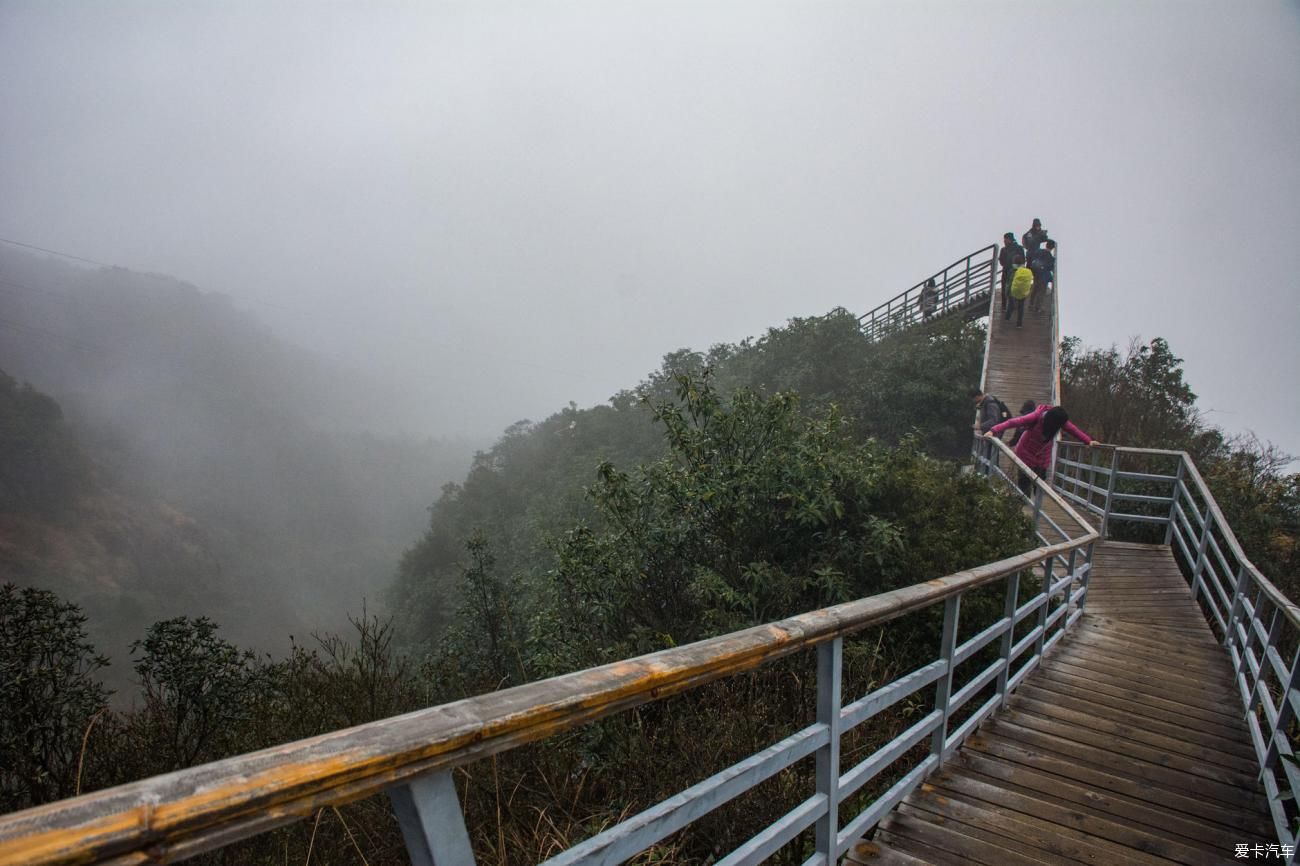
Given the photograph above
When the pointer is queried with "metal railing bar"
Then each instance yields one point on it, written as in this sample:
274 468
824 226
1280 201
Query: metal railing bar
868 768
1076 464
1211 577
779 834
1043 515
1256 736
1052 641
1025 642
1124 475
1186 525
1095 509
1140 497
1138 518
1126 449
1276 662
959 736
1250 673
1255 624
1025 670
985 677
633 835
1030 607
1062 582
1213 547
882 698
1191 557
979 641
1260 693
1194 513
855 829
1055 615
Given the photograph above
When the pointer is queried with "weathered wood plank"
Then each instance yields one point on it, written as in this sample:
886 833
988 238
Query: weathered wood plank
1134 814
1099 756
1213 818
1226 741
1025 837
1130 735
1113 842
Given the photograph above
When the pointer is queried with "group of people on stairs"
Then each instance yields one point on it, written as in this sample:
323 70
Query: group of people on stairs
1028 268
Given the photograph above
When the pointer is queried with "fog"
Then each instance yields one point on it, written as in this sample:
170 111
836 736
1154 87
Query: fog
499 208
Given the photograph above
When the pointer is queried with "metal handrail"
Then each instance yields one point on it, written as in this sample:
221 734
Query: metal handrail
180 814
1255 621
961 286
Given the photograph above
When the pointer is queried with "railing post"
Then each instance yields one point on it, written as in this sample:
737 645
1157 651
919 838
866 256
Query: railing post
1092 478
1110 492
1045 609
830 669
1173 506
1235 611
1198 567
943 689
1038 507
433 826
1069 590
1008 639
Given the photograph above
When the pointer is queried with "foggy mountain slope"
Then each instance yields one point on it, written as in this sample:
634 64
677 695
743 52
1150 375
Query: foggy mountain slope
64 526
286 462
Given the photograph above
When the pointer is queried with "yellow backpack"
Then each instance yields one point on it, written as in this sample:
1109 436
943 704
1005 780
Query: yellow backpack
1022 283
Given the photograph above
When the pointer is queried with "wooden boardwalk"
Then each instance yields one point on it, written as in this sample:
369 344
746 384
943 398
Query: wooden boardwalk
1020 359
1124 747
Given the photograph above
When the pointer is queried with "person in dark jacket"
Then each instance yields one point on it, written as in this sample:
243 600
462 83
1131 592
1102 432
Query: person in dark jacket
929 298
1007 259
990 411
1033 239
1043 263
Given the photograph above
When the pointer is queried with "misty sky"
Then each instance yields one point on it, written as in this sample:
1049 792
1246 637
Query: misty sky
510 206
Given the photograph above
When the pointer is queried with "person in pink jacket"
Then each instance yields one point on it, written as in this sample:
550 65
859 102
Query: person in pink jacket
1040 429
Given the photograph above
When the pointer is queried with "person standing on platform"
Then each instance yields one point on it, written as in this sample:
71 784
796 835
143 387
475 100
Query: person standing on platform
1022 283
929 299
1007 259
1043 263
1033 239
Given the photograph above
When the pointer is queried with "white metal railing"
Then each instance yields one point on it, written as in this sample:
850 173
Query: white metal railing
966 285
1159 495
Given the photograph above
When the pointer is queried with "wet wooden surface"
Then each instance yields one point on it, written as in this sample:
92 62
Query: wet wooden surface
1125 747
1019 359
